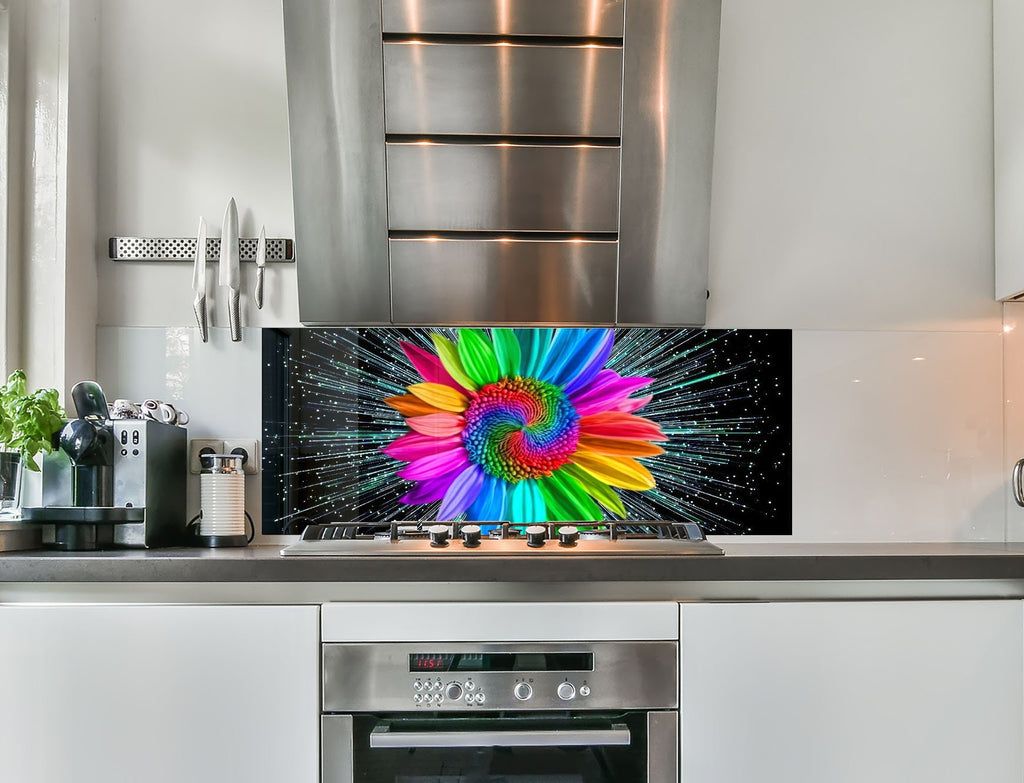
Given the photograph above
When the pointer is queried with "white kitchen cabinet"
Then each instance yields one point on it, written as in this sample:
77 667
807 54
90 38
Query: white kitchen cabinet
161 694
1008 132
851 692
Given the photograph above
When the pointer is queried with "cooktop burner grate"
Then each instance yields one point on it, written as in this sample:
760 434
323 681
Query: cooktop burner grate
503 538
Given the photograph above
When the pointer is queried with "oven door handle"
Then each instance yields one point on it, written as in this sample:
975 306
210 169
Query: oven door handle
383 737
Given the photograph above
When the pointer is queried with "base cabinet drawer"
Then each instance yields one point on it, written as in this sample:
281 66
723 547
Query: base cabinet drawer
162 694
847 692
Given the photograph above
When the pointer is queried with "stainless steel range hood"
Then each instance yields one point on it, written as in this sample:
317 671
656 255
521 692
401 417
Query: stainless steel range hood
502 161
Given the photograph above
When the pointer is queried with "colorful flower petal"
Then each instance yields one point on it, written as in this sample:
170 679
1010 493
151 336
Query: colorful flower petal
597 489
585 368
413 446
563 348
461 493
435 466
443 397
449 356
618 471
428 366
606 391
410 405
617 447
612 424
437 425
506 351
489 505
566 500
477 355
631 404
428 490
526 504
533 344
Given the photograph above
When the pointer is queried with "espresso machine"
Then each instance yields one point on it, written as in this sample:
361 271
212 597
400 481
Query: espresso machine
112 483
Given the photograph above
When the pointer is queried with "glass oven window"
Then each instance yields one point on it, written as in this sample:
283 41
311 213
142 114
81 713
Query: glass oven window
483 760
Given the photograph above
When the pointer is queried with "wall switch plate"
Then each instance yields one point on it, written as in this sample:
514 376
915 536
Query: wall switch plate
198 446
249 448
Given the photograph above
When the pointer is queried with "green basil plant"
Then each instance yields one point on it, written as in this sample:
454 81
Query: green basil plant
28 422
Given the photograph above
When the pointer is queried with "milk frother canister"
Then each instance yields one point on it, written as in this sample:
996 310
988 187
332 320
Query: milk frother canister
222 498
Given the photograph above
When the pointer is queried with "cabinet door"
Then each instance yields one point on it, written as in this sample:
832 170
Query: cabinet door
104 694
908 692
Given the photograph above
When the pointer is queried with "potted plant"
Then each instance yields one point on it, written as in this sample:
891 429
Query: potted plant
28 423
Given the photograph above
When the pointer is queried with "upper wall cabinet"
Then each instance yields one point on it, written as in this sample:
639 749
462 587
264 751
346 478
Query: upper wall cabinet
1008 104
502 161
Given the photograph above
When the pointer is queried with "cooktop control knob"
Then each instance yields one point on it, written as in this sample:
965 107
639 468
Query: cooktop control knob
438 535
568 535
522 691
535 535
471 535
453 692
566 691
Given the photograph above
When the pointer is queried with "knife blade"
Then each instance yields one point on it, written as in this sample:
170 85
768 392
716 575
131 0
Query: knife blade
199 282
229 272
261 262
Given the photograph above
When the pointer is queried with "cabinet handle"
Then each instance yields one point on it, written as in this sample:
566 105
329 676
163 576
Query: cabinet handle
1018 486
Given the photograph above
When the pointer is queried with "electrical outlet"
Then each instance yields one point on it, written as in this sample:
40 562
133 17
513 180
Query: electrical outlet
198 446
249 449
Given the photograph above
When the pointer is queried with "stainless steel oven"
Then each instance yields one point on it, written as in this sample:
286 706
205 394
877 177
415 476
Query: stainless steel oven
518 712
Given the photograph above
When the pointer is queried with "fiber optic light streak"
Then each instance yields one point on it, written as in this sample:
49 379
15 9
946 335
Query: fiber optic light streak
717 404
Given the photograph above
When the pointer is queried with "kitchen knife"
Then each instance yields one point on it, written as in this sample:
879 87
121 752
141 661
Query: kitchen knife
229 274
199 281
261 262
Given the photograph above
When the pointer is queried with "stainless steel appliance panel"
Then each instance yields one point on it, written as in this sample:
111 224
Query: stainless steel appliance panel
662 746
511 281
502 187
336 743
336 125
596 18
376 678
502 89
670 67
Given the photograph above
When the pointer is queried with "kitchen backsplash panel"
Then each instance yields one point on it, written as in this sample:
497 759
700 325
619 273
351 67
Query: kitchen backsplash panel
897 436
528 425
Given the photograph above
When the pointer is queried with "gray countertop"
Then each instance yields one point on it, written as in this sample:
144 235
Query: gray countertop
742 562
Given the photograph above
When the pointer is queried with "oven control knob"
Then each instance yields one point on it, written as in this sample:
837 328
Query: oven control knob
566 691
438 535
522 691
471 535
535 535
453 692
584 690
568 535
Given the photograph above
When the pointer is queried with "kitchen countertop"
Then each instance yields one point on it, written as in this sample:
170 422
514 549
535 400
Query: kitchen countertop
748 571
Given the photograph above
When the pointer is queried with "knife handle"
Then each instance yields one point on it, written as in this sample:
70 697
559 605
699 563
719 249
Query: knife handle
199 306
258 294
234 317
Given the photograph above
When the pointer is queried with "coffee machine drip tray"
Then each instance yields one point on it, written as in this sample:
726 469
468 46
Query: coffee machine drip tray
91 515
78 528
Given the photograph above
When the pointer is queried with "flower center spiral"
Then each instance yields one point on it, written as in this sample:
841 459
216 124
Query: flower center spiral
520 428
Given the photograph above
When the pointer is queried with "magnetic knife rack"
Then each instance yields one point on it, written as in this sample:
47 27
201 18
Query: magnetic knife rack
279 251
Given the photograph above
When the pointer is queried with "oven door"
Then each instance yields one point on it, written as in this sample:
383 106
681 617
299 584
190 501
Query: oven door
630 747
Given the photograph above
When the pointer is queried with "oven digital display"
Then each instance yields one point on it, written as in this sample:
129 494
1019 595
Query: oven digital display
502 662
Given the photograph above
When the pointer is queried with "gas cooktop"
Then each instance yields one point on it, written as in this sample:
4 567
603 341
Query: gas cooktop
456 539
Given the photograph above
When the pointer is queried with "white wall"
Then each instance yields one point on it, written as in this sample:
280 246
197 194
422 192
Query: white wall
852 203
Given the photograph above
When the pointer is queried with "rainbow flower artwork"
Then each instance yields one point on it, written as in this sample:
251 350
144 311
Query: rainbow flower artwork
524 425
375 425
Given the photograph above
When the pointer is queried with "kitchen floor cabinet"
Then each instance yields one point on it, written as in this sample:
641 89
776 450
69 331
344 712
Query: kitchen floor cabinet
849 692
161 694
